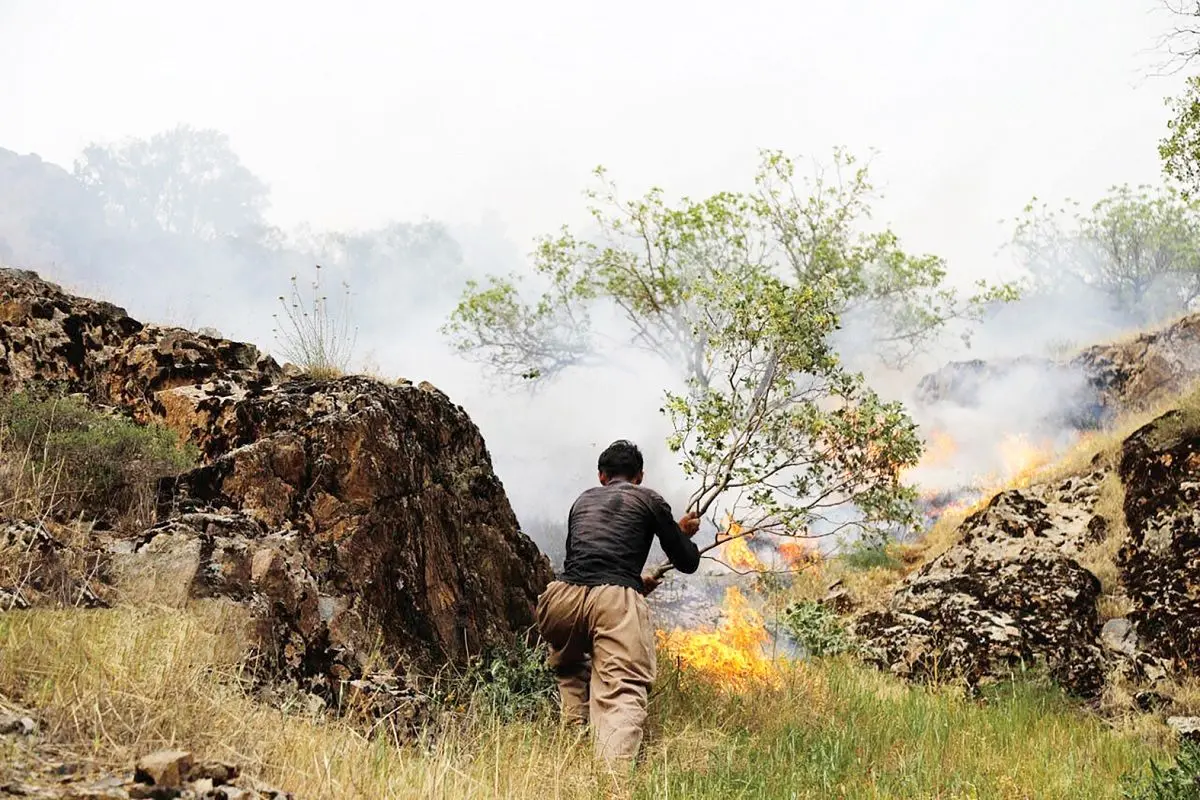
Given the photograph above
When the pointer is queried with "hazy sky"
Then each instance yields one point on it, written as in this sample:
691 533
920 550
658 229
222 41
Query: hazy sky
358 112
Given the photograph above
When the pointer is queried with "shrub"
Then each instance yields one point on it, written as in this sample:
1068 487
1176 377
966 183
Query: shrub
817 628
512 683
1180 781
62 458
313 335
865 555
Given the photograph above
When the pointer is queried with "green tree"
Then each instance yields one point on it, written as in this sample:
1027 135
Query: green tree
739 296
1139 246
185 181
1180 149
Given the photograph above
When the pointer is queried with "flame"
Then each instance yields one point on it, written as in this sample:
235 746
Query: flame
739 555
799 555
733 655
1021 458
735 550
940 448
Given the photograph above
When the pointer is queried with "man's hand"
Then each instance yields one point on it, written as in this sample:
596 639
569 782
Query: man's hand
689 523
650 583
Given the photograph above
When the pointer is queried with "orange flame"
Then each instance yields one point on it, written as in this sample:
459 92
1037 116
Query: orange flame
733 655
940 448
1021 458
735 550
799 555
739 555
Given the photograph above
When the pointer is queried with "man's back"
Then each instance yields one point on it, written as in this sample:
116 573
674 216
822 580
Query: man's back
610 531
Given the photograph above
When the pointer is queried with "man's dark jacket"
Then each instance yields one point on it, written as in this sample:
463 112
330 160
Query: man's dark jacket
609 533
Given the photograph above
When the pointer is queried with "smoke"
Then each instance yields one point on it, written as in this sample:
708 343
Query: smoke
404 279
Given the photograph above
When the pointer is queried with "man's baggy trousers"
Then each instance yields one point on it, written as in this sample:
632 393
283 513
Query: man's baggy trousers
602 650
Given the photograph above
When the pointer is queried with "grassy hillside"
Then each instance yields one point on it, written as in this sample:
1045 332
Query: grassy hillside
109 684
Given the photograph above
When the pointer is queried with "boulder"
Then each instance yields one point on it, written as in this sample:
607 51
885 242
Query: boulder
167 768
1160 561
1009 593
1119 636
1138 372
1081 392
349 513
391 511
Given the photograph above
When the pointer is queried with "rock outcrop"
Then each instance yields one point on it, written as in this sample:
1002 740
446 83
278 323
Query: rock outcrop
1147 368
1014 590
1160 560
191 382
1010 593
352 514
1083 391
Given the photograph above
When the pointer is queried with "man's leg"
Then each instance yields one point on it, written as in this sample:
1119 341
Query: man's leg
623 669
561 623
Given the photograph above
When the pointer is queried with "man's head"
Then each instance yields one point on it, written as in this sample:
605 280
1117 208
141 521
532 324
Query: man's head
623 460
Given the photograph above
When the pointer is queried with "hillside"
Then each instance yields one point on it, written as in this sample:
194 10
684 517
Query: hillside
320 586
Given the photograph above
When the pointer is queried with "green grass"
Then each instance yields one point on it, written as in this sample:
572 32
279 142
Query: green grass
62 458
113 683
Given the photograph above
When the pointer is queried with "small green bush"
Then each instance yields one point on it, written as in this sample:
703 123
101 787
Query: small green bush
1179 781
512 683
817 628
865 555
64 458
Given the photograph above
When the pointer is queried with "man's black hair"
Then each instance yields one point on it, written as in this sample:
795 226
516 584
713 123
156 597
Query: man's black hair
621 459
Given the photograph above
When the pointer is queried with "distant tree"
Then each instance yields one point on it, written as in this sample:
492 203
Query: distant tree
739 296
185 181
46 218
1139 246
409 264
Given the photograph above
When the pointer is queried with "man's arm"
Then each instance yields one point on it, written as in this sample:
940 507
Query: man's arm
676 537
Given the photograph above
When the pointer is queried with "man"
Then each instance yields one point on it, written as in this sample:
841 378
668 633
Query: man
595 617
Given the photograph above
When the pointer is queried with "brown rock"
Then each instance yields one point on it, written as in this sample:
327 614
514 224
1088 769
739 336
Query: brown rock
397 515
1141 371
343 512
1009 593
163 768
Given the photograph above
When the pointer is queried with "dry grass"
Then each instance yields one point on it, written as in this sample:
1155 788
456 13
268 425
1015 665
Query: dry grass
111 684
1102 449
1101 558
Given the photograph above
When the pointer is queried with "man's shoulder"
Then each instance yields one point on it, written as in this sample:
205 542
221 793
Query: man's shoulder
648 495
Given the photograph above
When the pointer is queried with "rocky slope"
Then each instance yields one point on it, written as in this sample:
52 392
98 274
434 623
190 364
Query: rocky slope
1013 590
349 513
1085 390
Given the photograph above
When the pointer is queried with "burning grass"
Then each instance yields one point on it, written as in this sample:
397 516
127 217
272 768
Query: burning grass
109 684
734 655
